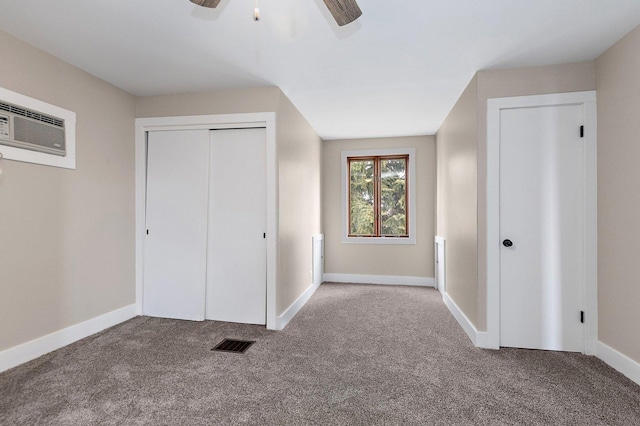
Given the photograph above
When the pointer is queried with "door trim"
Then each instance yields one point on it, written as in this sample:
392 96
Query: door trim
440 246
589 302
212 122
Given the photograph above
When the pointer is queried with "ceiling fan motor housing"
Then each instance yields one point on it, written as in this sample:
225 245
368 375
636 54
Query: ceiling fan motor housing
343 11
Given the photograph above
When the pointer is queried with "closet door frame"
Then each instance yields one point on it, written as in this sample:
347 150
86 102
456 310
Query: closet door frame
265 120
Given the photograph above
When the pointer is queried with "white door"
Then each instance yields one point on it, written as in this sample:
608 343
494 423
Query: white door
236 265
542 211
176 220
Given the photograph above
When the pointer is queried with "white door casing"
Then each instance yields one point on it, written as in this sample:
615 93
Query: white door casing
144 126
494 249
176 223
440 264
317 250
542 215
236 260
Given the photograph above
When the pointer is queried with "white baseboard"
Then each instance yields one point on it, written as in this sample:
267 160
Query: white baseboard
483 341
619 361
379 279
25 352
479 339
291 311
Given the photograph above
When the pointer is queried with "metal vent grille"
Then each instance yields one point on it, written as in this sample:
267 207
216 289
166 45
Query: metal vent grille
38 136
232 345
24 112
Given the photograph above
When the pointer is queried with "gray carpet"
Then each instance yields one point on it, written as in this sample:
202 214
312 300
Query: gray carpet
355 354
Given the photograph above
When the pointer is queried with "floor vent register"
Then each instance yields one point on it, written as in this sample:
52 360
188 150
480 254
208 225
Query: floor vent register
235 346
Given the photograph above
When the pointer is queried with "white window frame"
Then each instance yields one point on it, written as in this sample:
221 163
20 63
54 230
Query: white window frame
411 152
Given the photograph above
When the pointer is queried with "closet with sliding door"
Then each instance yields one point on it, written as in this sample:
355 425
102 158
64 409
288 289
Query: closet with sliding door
205 243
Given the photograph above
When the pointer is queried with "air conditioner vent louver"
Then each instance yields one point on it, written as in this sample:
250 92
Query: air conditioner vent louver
34 131
29 129
54 121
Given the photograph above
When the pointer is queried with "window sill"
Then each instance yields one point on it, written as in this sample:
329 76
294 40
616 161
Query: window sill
379 240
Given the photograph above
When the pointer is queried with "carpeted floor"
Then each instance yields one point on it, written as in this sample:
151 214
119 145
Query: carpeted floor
355 354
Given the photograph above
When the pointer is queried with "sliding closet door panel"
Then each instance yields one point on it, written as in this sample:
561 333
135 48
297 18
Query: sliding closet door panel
177 207
236 267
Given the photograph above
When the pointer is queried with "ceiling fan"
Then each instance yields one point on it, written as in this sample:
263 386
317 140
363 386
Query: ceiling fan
343 11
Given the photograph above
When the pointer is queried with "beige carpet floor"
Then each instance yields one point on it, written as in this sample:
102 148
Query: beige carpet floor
355 354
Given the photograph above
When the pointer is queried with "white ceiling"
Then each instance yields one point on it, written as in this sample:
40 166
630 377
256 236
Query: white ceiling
396 71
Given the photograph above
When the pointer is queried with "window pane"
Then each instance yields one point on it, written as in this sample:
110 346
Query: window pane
361 197
393 203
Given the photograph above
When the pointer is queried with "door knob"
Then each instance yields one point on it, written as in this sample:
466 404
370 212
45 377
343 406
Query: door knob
507 243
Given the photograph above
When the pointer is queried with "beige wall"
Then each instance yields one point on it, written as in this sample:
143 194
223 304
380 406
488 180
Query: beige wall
66 236
576 77
487 84
67 252
377 259
299 159
232 101
300 201
618 90
457 199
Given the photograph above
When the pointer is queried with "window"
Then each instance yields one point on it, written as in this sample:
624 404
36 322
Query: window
377 202
378 196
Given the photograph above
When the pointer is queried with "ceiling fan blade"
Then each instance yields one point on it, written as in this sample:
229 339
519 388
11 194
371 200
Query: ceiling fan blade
206 3
343 11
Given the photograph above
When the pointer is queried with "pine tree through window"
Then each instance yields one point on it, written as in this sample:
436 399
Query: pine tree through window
378 196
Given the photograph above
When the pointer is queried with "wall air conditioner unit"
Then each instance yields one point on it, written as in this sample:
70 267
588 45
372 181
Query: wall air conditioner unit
24 128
